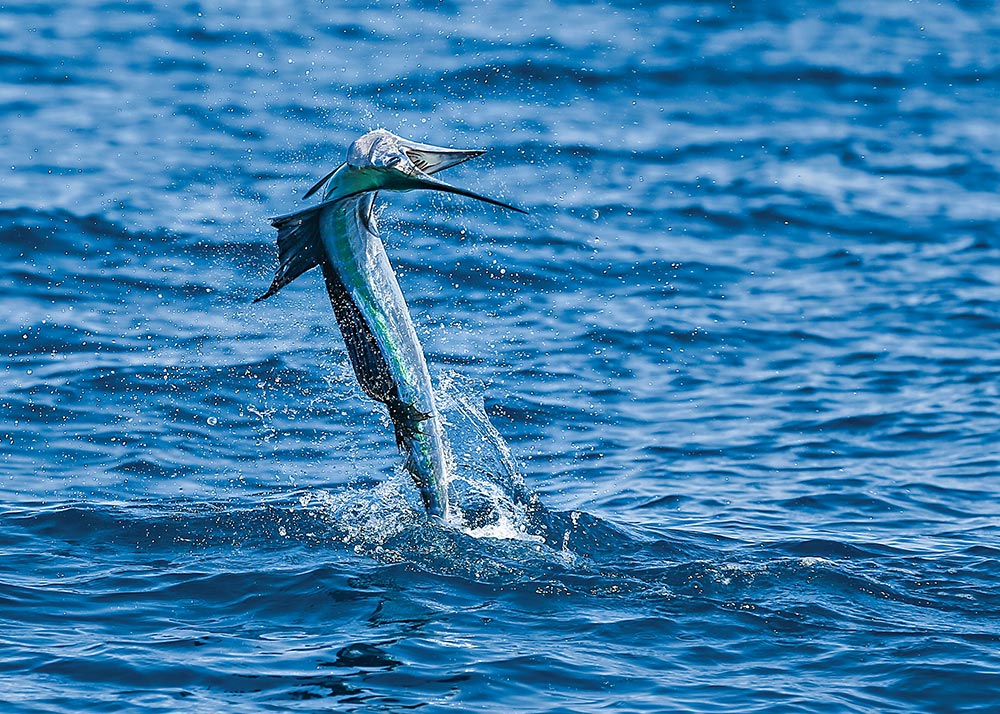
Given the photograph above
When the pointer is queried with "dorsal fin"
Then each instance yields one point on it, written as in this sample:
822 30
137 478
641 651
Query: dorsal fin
299 247
370 365
363 348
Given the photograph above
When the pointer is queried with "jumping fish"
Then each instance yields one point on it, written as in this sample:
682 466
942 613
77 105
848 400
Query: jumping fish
339 235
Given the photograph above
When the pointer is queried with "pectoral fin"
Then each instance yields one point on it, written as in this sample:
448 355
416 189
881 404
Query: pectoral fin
319 184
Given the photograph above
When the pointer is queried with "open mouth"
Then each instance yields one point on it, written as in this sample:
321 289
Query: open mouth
431 159
417 160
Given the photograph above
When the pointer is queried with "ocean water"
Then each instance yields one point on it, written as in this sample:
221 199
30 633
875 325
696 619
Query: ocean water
724 406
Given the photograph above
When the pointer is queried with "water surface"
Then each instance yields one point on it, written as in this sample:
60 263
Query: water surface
743 353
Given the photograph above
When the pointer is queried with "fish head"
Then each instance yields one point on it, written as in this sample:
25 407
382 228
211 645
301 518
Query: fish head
382 161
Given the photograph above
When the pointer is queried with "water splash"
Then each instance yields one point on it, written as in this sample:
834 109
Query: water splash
486 489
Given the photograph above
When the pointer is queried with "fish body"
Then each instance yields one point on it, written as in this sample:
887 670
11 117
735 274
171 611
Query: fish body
382 343
340 235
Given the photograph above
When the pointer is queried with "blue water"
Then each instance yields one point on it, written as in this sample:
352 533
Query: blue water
743 352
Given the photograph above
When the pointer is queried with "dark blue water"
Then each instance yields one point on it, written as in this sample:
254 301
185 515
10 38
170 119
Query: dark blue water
744 353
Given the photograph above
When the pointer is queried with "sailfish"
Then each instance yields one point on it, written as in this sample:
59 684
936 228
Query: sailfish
339 235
